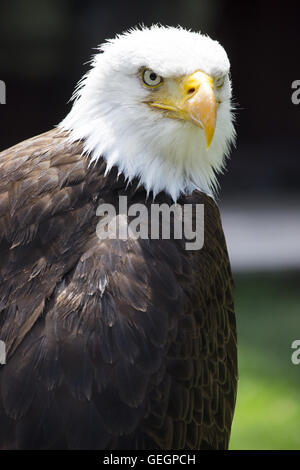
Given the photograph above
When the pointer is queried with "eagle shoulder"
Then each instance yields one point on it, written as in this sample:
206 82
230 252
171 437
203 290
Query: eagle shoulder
45 206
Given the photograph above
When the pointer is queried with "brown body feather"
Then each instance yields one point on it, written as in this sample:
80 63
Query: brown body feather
113 344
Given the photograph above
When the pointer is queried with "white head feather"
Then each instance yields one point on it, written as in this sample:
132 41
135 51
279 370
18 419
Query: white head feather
111 117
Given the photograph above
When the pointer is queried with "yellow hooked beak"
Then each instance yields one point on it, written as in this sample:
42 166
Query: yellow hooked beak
192 99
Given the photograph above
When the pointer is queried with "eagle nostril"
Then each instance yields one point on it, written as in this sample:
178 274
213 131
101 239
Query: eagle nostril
191 90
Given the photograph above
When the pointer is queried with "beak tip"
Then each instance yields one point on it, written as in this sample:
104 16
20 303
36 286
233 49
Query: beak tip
209 138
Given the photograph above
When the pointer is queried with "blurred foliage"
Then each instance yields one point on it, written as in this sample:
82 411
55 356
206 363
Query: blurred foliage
268 407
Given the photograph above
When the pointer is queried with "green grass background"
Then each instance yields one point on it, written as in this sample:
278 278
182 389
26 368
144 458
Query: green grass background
267 413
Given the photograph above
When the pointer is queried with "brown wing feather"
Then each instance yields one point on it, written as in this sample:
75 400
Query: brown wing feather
112 344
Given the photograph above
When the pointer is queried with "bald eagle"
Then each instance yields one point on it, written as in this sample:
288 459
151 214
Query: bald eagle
120 343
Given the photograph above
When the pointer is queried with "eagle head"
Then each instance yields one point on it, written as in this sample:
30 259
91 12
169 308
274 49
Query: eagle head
156 103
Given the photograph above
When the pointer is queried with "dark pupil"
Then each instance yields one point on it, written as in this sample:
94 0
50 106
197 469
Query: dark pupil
153 76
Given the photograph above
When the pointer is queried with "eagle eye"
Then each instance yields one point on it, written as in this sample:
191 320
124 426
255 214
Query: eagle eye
150 78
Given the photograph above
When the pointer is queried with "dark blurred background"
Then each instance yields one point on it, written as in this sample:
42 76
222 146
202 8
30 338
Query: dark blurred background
44 45
44 49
